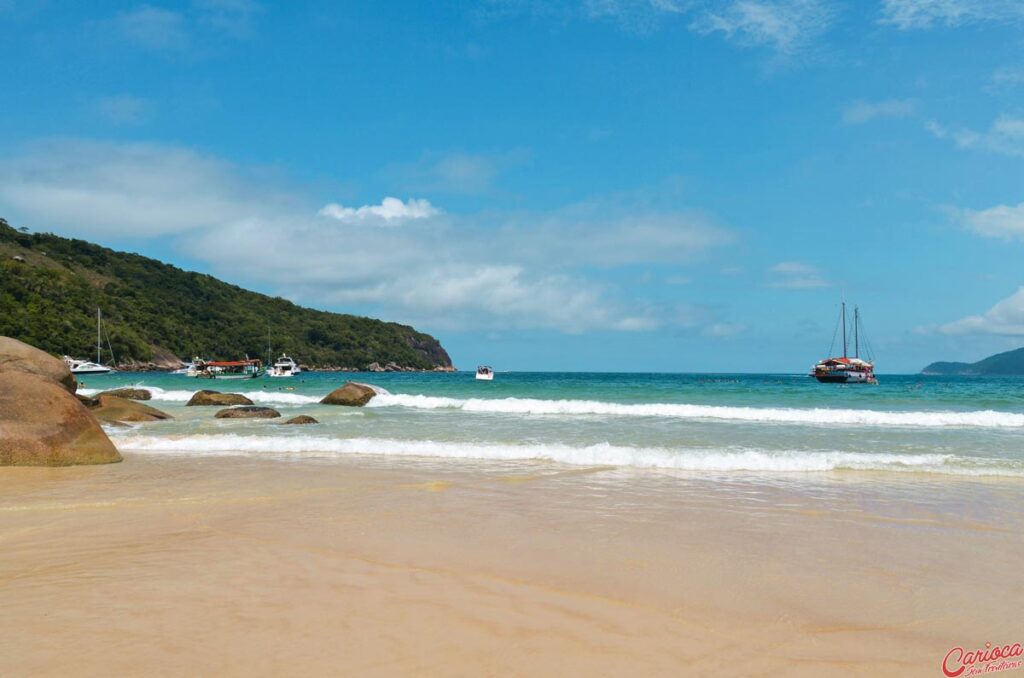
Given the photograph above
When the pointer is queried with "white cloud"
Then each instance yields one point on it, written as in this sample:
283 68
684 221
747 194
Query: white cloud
390 212
784 25
637 16
1008 76
723 330
490 270
234 17
456 172
161 29
917 14
796 275
152 27
1005 318
1001 221
1004 136
859 112
134 189
122 109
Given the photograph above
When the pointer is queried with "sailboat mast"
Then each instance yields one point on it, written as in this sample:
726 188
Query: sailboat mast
856 332
844 329
99 341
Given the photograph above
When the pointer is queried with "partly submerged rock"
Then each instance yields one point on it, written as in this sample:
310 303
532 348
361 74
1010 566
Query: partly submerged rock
114 409
351 394
42 424
248 412
20 357
301 419
217 398
129 393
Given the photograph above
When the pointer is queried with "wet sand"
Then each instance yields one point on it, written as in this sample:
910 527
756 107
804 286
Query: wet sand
172 565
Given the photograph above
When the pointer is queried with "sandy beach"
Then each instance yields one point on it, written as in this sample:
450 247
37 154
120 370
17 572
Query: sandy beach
172 565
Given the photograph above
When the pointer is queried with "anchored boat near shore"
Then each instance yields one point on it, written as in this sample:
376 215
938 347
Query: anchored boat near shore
82 366
284 366
844 369
250 368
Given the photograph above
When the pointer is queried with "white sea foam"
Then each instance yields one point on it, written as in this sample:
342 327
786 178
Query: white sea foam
183 396
847 417
604 454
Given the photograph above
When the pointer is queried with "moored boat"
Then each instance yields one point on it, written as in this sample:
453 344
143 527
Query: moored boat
250 368
284 366
82 366
844 369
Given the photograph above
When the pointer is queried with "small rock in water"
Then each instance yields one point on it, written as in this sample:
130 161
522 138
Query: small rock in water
129 393
248 412
301 419
351 394
205 397
114 409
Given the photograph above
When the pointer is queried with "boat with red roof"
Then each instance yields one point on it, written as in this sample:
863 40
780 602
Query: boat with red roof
250 368
845 369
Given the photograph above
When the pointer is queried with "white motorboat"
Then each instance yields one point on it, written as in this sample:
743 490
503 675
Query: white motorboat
82 366
85 367
284 367
484 373
187 369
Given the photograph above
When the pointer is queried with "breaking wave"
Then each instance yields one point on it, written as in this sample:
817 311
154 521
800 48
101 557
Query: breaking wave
604 454
848 417
183 396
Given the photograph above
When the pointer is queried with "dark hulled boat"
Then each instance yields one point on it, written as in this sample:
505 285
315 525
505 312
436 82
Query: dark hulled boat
844 369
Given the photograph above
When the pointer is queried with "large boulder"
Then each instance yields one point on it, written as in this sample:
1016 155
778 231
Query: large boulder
217 398
129 393
301 419
42 424
248 412
20 357
116 410
351 394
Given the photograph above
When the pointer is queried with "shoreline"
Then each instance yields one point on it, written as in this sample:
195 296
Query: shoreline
242 565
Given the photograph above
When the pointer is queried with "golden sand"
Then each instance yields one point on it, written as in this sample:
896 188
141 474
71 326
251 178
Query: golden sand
170 565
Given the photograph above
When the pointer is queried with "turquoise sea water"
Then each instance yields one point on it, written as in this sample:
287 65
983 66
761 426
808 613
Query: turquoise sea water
701 423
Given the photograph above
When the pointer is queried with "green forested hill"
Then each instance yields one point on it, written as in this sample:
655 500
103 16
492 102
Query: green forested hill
50 288
1008 363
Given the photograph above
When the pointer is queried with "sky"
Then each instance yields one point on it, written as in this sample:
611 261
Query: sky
613 185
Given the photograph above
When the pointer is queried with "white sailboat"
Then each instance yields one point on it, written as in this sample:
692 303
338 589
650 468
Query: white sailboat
82 366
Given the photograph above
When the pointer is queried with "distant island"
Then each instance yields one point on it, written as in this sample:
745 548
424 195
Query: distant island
1009 363
155 313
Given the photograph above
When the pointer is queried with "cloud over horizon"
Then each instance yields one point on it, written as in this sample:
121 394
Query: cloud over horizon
493 270
390 212
1005 318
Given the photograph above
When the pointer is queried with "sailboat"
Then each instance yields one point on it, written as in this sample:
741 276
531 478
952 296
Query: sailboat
844 369
82 366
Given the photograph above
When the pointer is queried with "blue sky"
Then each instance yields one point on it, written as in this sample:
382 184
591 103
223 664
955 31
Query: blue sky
676 185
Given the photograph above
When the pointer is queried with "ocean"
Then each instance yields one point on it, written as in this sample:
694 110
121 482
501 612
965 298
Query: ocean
779 425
